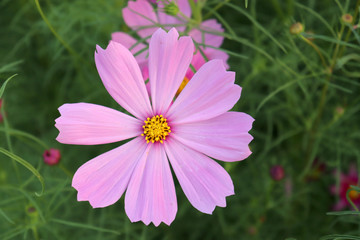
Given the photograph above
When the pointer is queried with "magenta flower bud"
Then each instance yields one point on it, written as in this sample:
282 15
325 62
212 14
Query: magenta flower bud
52 156
277 172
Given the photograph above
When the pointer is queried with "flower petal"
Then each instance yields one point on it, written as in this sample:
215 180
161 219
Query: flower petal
151 192
129 42
212 53
88 124
205 183
209 33
166 19
224 137
197 61
140 17
122 78
169 59
210 93
103 180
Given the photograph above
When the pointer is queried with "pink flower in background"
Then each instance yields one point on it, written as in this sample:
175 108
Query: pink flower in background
187 132
141 17
52 156
277 172
346 180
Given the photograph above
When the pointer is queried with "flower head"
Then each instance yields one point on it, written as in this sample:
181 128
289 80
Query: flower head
141 17
52 156
277 172
346 180
296 28
186 133
347 18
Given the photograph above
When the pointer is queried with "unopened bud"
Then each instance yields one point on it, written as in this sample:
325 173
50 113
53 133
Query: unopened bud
347 18
31 211
296 28
170 8
339 110
52 156
277 172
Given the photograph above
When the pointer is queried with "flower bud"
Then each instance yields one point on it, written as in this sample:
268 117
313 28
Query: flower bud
296 28
347 18
277 172
339 110
170 8
52 156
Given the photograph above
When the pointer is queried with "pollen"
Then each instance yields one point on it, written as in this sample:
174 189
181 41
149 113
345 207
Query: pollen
156 129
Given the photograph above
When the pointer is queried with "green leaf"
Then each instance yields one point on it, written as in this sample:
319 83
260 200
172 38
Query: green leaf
258 25
332 40
340 213
26 135
2 89
318 16
2 213
10 67
272 94
28 166
87 226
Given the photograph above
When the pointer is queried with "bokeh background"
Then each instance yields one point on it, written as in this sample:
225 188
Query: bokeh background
303 89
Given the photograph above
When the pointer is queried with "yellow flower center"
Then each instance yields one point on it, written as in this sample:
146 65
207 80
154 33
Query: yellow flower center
353 195
183 84
156 129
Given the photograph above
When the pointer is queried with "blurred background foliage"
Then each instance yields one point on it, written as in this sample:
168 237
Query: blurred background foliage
302 88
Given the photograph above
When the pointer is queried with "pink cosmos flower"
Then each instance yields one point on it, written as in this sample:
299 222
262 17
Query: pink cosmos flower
187 132
351 178
141 17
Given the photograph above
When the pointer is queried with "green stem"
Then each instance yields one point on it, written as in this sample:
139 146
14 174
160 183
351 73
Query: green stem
349 199
66 171
320 109
349 31
316 50
219 5
196 11
67 47
8 140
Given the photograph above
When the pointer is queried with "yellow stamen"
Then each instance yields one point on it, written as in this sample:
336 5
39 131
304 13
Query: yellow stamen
156 129
182 86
